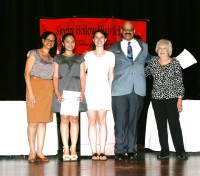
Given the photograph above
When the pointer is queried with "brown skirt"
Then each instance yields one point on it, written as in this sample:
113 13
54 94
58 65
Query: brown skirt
43 92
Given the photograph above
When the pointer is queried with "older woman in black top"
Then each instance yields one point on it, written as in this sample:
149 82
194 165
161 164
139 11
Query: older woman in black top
167 94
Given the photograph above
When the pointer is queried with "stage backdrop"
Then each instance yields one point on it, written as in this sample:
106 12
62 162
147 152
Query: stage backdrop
83 29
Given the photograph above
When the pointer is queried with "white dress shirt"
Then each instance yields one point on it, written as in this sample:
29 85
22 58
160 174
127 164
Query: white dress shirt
135 47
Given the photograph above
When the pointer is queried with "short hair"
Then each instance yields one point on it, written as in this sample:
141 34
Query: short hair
166 43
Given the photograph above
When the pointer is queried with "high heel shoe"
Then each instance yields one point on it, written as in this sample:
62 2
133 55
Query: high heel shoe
44 159
73 157
66 157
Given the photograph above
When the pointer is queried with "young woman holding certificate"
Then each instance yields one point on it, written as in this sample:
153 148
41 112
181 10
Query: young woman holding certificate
69 80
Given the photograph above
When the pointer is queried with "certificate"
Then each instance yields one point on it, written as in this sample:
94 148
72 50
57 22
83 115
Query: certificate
186 59
70 104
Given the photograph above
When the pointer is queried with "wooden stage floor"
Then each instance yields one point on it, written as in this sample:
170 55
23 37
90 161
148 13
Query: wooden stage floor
146 164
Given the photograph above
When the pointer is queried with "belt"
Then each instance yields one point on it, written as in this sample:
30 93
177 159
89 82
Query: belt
36 77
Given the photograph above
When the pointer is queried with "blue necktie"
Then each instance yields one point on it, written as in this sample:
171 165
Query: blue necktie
130 52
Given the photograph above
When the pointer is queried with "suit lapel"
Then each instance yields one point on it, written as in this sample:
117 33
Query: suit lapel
120 51
140 50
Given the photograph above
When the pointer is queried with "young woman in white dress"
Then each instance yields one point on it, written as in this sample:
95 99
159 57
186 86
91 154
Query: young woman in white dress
99 67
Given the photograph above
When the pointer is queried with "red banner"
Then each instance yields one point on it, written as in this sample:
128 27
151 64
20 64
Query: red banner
83 29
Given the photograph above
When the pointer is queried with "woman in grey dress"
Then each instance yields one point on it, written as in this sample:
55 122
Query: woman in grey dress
69 75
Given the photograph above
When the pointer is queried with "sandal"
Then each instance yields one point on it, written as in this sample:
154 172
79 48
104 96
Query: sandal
66 157
102 157
95 157
74 157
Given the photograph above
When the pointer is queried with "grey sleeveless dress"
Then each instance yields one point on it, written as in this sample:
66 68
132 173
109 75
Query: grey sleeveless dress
69 78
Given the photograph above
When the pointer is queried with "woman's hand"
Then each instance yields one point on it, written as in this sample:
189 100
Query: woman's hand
179 105
31 101
80 98
59 97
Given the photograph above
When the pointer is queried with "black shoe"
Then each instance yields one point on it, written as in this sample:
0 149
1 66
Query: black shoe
182 156
162 156
119 156
132 156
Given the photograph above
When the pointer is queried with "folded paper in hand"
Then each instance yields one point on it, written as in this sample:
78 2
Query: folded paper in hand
70 104
186 59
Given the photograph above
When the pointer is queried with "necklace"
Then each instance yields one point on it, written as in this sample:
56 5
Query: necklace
44 54
165 61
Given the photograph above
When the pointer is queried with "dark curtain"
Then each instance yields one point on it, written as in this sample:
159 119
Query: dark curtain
176 20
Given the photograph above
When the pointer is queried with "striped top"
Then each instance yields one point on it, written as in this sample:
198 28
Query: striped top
42 68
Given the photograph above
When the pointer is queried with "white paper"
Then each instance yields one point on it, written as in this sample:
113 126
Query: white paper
70 104
186 59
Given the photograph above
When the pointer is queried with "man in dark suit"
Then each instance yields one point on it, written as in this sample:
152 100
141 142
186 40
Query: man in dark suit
128 90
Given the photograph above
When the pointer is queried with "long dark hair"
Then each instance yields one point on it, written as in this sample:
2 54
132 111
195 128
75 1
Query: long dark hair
104 34
44 35
63 39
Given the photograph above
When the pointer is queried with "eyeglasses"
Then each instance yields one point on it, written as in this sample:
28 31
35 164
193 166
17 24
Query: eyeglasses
128 29
50 41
